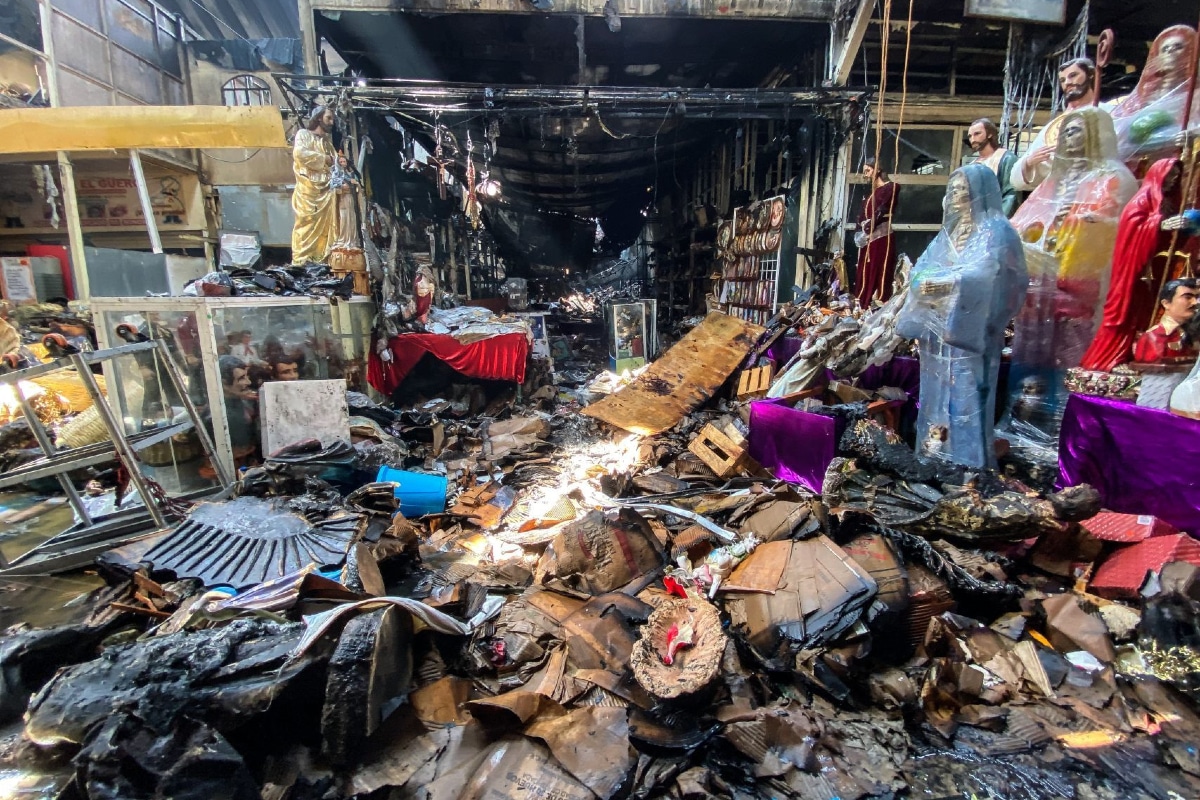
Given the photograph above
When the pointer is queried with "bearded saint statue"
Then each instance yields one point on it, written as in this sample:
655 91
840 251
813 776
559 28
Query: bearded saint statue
314 200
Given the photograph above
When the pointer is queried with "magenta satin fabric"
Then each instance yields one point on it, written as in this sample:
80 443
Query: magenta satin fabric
795 446
1141 460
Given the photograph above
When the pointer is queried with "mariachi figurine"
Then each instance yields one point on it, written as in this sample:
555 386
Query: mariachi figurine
966 286
1167 342
1069 226
1148 227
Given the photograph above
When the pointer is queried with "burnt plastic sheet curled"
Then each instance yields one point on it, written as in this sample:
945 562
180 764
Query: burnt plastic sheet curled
247 541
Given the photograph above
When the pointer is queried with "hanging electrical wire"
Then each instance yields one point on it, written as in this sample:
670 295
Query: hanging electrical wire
1031 65
885 29
903 85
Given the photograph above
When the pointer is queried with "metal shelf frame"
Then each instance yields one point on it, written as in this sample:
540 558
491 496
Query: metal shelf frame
119 447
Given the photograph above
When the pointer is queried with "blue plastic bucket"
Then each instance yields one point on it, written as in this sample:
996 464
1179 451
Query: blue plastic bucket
418 492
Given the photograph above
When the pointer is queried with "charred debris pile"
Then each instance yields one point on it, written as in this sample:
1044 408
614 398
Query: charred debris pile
619 600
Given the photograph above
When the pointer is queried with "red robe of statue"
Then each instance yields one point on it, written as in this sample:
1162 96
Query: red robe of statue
877 261
1129 306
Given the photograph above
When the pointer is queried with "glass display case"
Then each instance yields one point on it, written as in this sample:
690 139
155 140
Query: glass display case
627 336
152 446
227 347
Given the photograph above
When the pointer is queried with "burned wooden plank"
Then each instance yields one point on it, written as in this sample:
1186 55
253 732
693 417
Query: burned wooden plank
683 379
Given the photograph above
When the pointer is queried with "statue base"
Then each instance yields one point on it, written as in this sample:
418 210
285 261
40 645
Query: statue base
347 260
1122 385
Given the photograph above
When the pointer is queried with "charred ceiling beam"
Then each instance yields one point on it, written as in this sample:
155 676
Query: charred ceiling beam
469 99
703 9
846 36
592 165
583 180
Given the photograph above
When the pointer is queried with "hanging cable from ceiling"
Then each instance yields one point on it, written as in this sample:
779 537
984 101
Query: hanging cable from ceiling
885 29
903 85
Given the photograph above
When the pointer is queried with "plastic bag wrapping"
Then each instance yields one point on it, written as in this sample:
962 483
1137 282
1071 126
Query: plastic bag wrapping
1148 119
517 292
1069 226
214 284
1185 399
239 249
963 293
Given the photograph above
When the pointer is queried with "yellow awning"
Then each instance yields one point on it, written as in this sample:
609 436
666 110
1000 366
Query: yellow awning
44 130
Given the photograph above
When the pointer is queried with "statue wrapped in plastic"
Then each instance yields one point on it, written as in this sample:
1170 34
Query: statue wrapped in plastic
1069 227
1148 119
965 288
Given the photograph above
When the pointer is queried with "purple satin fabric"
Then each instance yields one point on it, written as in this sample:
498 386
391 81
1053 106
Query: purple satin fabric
795 446
903 372
783 349
1141 460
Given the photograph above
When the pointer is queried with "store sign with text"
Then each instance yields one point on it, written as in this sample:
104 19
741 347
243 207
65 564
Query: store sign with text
107 201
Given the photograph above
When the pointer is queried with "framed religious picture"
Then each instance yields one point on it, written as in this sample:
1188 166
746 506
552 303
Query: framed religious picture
1053 12
540 337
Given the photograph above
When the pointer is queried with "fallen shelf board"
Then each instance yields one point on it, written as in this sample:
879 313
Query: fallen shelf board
683 379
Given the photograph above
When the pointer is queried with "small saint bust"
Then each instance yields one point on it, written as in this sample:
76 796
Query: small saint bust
1167 342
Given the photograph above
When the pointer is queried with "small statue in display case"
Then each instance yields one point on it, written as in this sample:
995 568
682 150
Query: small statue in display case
966 286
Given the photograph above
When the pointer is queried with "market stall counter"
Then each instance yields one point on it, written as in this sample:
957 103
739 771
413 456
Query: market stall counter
227 347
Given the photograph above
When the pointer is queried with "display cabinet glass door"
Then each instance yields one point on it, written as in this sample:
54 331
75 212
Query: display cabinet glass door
628 347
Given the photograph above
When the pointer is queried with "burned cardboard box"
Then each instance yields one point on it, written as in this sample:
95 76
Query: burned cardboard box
514 767
600 553
820 594
876 554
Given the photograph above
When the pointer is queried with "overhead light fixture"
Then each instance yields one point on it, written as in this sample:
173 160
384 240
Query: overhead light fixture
488 188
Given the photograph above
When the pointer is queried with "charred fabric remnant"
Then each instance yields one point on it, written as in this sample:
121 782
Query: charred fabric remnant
600 616
217 674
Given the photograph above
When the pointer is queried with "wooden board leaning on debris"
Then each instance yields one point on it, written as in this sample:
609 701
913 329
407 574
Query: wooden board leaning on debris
683 379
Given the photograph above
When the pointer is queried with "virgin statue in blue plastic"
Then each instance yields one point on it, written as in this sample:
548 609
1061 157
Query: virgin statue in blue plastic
965 288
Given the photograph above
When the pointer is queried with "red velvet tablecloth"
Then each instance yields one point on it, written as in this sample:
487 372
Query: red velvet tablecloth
497 358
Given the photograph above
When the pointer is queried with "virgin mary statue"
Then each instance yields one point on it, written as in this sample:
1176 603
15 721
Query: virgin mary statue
966 286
